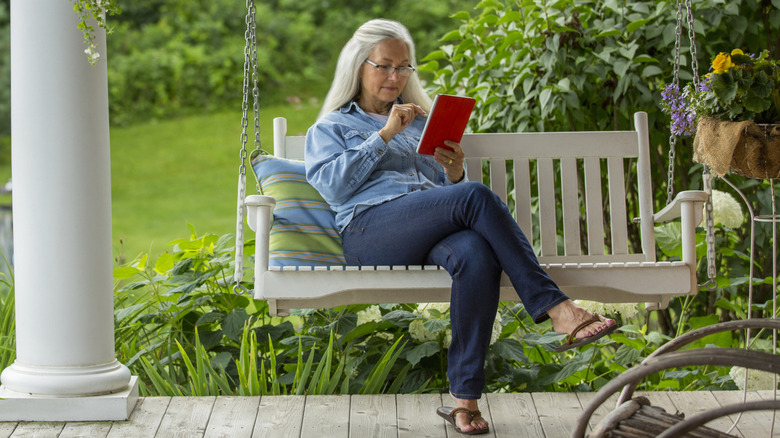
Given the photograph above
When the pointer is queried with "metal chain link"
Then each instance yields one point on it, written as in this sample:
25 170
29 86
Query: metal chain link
250 63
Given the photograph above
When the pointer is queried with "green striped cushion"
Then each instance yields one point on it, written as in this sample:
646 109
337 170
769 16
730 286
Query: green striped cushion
304 229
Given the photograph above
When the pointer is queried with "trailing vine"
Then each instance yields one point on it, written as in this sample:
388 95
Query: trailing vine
96 10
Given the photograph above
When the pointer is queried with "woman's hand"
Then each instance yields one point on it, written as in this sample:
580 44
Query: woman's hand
401 115
452 160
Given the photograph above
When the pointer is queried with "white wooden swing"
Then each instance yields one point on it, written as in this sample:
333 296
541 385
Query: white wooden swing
591 263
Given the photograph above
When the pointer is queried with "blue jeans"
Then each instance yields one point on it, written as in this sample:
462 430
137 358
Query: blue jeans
469 231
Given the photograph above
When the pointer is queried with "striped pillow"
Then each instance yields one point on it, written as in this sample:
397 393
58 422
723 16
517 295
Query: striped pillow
304 229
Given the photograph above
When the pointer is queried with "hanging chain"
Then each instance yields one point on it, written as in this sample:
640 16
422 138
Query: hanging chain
250 63
711 283
692 36
676 83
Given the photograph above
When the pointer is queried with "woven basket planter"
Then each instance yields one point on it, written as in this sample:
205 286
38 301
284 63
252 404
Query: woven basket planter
745 148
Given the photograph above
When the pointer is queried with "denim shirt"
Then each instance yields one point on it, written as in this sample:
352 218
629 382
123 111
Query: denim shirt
353 169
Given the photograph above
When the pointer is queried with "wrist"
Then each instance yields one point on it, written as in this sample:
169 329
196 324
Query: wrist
455 181
386 135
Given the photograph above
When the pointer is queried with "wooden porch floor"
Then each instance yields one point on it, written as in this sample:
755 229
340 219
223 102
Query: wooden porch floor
549 415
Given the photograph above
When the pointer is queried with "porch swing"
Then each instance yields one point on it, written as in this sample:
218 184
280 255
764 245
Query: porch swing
298 261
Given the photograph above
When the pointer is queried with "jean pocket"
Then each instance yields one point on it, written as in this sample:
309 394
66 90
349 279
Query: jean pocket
352 260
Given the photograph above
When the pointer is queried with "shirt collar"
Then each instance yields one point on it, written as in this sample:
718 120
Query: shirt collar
352 105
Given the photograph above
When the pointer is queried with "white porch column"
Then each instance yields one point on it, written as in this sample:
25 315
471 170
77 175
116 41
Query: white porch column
65 368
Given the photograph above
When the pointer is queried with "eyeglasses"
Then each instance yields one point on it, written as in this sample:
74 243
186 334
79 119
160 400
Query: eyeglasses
388 70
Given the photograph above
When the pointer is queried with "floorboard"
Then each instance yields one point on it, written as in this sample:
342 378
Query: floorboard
522 415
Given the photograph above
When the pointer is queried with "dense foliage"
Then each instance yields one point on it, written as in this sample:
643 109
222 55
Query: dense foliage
180 327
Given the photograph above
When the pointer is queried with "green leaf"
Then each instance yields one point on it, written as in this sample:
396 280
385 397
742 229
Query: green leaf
435 325
634 25
509 349
450 36
608 33
361 330
208 318
698 322
397 316
422 351
544 97
125 272
210 339
755 103
627 356
126 312
668 237
460 15
233 325
645 59
437 54
571 367
724 86
164 263
275 331
728 305
510 16
669 384
637 344
651 70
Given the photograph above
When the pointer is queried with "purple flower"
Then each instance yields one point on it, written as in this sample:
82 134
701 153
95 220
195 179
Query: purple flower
682 116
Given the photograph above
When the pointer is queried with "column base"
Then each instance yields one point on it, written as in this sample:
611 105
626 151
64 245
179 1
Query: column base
70 381
118 406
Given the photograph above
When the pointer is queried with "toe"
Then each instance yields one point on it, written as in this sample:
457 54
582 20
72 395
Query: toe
462 421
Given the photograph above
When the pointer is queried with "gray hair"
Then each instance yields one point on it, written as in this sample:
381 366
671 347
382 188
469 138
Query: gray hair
346 80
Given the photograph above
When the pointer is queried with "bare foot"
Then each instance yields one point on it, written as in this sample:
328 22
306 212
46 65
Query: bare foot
567 316
462 420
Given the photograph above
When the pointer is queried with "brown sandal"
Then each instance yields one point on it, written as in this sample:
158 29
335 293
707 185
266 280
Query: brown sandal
573 342
450 413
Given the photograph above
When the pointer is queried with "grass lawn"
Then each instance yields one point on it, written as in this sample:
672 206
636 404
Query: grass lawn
168 174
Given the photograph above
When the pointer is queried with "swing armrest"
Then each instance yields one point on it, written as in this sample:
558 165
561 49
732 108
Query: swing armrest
687 206
259 207
676 209
260 217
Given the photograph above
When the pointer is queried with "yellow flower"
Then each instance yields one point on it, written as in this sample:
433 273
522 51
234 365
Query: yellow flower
737 52
722 63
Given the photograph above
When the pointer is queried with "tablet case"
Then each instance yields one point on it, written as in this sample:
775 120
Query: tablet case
447 121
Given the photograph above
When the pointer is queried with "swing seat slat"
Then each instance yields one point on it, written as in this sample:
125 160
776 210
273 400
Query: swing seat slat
568 191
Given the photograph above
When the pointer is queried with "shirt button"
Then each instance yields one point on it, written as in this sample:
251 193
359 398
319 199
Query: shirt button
381 151
406 153
411 173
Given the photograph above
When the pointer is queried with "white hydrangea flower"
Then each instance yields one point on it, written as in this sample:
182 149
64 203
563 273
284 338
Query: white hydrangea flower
419 332
625 310
756 379
497 327
369 314
384 335
423 309
726 210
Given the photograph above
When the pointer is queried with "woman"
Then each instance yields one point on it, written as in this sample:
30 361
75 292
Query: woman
360 155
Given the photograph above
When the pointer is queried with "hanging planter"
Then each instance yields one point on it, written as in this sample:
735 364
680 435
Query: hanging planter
745 148
731 112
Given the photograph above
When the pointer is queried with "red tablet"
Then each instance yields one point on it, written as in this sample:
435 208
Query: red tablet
447 121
